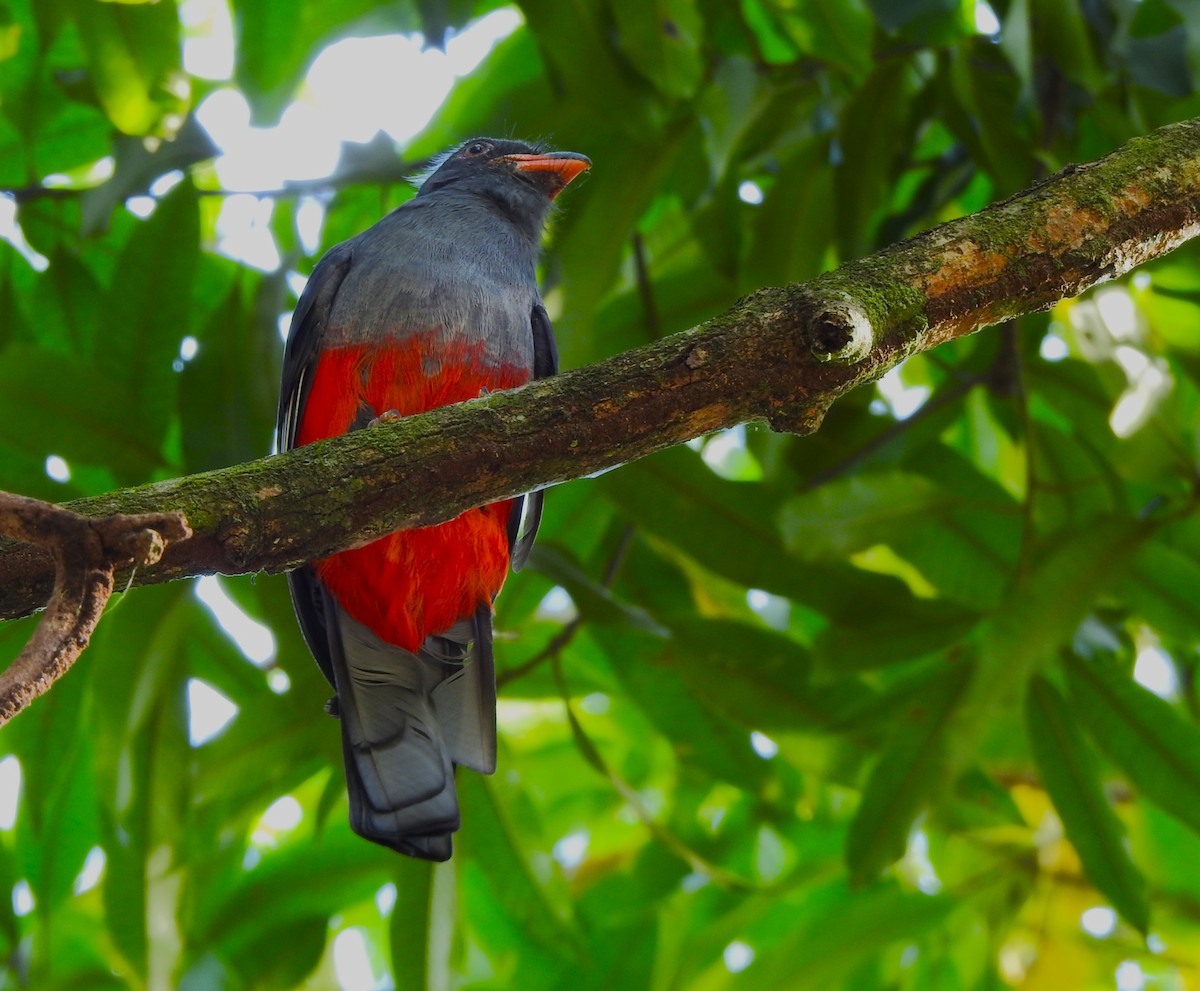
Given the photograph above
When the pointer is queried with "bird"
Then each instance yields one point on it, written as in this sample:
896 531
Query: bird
437 303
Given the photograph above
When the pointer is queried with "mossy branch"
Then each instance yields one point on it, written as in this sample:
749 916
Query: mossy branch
782 355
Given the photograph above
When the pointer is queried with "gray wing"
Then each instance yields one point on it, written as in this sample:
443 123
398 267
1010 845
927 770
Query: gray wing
545 364
309 322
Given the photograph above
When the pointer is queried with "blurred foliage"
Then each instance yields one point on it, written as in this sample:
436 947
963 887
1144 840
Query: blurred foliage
849 711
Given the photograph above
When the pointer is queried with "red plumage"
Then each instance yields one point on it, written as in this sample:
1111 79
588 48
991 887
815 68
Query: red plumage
414 583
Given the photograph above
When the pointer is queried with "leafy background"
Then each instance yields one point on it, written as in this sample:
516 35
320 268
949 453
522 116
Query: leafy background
850 711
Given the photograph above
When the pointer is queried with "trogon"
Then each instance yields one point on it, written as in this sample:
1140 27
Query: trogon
435 304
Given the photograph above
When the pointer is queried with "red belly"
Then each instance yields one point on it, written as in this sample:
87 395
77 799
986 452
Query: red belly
413 583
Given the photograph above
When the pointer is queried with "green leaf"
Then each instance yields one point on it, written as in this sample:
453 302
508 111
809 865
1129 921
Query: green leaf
1072 779
497 872
1016 42
602 222
259 963
1042 612
146 315
71 137
730 105
133 54
411 924
852 513
834 31
1159 583
575 515
1169 854
136 166
891 634
968 554
138 742
751 674
306 879
50 402
10 933
68 829
895 14
800 200
227 392
871 132
57 821
662 39
276 43
985 87
700 736
590 71
595 602
773 42
1062 34
42 128
1142 734
68 302
910 769
729 528
1160 61
269 49
956 527
836 929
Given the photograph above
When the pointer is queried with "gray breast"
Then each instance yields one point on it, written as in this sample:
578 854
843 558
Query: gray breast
445 267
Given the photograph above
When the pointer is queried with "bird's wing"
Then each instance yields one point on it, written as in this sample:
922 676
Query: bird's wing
545 364
545 351
304 340
299 359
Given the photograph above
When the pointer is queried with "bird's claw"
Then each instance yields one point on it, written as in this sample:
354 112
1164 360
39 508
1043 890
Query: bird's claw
387 416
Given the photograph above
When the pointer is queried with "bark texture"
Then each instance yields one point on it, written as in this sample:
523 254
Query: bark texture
85 552
781 354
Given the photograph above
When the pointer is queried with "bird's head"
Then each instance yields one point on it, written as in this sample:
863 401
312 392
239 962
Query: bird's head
518 178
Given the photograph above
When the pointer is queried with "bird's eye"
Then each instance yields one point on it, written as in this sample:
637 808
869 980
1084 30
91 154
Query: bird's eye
478 148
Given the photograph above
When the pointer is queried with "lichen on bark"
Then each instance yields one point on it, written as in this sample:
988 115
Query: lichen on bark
1082 226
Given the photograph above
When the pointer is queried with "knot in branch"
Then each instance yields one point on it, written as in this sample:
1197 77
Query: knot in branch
837 327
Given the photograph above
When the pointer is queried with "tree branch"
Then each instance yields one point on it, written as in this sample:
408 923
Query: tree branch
85 552
780 354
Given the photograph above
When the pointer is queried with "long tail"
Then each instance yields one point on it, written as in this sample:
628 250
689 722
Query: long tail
407 721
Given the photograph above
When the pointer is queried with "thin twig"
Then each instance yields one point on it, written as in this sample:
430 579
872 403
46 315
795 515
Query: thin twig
562 639
645 289
881 440
556 645
693 858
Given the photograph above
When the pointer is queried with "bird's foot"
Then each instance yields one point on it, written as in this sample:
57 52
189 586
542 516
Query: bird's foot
387 416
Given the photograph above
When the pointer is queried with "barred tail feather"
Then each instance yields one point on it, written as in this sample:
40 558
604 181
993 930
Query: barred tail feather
407 721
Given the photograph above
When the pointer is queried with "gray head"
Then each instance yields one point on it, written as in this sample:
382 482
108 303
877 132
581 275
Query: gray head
515 179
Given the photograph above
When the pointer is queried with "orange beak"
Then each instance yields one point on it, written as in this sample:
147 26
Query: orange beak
565 165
